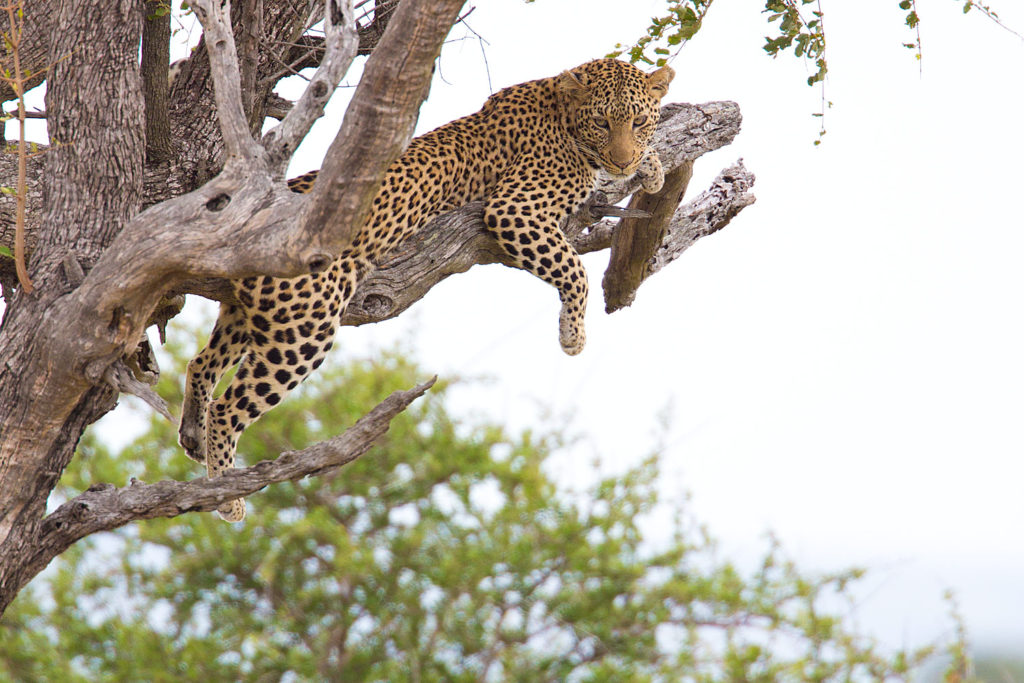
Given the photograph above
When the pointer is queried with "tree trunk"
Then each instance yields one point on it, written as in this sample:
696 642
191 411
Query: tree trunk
93 186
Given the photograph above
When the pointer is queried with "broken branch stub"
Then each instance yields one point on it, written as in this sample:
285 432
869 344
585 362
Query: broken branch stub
637 239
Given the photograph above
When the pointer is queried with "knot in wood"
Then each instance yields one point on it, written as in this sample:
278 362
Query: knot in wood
377 305
218 203
318 262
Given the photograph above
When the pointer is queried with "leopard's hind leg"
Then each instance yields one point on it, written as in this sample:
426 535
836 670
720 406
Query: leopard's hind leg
223 350
287 342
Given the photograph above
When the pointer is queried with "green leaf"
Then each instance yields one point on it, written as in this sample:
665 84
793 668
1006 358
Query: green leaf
4 251
905 4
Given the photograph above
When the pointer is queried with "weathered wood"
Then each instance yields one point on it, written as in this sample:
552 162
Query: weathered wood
378 126
636 239
708 213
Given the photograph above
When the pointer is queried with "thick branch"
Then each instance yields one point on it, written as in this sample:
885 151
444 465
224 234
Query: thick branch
457 241
104 507
636 239
378 125
156 49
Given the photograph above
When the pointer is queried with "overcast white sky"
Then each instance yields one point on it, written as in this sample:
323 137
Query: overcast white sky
841 365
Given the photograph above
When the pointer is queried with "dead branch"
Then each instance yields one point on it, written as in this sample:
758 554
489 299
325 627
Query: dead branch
104 507
215 17
636 239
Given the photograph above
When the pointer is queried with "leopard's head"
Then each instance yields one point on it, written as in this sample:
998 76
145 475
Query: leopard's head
612 109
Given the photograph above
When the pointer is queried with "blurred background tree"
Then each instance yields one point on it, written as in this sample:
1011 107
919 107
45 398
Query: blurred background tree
448 553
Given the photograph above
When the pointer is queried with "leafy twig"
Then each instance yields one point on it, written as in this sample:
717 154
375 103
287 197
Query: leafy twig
987 11
806 37
685 16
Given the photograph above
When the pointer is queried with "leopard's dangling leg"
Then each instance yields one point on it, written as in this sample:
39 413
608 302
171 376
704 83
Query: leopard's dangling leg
285 345
267 374
535 243
223 350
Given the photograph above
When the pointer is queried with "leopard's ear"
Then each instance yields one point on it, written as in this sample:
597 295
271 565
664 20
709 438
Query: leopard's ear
657 82
572 86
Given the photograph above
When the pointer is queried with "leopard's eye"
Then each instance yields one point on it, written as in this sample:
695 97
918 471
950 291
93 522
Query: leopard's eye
601 122
639 121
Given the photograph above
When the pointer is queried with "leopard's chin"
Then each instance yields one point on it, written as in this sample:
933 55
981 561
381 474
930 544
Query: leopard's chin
618 173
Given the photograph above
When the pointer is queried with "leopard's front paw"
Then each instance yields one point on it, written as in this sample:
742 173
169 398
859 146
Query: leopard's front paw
192 437
192 429
570 332
650 172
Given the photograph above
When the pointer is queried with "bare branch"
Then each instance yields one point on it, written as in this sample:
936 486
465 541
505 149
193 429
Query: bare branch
708 213
104 507
636 239
215 17
341 43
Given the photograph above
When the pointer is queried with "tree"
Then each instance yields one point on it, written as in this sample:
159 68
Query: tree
448 555
148 193
117 228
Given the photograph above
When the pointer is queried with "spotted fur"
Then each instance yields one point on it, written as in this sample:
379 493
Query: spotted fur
532 153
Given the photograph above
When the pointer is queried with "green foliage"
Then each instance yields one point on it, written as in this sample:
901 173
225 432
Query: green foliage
447 553
682 22
806 35
796 27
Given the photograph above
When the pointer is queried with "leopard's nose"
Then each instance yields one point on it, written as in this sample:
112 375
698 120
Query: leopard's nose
620 158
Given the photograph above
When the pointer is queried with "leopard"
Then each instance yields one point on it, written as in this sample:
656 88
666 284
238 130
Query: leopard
533 154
